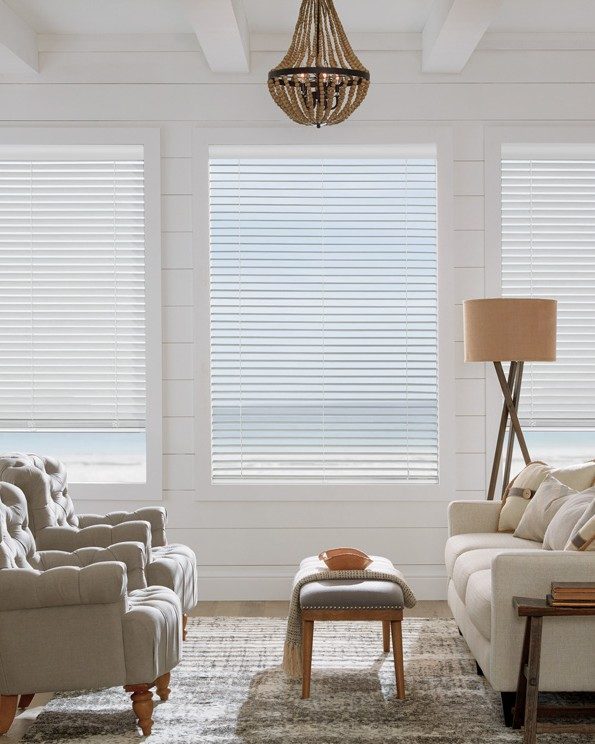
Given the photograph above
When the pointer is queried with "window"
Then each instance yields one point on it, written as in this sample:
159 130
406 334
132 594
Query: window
72 277
324 364
548 250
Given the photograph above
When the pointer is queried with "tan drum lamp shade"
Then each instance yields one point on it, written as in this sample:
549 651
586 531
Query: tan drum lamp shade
515 330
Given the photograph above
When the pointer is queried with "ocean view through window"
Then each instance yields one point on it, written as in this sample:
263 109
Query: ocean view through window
324 327
72 275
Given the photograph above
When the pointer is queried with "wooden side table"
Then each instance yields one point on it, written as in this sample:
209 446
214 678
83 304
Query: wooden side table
527 708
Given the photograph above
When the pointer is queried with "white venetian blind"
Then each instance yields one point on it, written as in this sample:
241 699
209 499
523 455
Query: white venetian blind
324 320
548 250
72 289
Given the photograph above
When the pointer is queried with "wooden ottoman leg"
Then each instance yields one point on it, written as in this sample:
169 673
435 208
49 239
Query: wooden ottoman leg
307 640
395 627
386 635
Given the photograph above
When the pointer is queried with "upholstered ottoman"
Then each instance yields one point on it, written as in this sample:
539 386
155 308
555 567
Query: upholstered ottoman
353 599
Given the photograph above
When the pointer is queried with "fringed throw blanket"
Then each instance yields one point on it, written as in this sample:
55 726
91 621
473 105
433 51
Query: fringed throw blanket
311 569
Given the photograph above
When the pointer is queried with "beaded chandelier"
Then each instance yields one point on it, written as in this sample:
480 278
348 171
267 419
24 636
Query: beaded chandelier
320 80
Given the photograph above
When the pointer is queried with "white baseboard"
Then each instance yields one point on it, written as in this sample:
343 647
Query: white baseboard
259 583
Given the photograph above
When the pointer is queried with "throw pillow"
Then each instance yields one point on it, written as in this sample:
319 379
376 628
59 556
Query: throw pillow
519 492
583 535
580 477
542 508
523 487
568 516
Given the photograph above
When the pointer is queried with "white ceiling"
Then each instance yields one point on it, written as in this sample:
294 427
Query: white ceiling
545 16
273 16
278 16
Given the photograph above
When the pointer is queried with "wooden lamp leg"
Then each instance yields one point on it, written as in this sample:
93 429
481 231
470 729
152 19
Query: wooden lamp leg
386 635
511 390
142 705
162 685
514 418
500 439
8 710
516 396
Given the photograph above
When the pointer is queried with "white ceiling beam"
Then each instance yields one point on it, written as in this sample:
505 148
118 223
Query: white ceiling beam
452 32
222 31
18 42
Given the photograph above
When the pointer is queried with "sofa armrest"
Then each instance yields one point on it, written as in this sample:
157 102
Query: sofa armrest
98 536
473 516
131 554
526 573
24 589
156 516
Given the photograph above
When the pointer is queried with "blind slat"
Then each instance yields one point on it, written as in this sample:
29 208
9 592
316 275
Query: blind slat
548 250
324 320
72 300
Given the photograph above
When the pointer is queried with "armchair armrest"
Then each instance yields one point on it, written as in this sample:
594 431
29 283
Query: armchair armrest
98 536
24 589
131 554
156 516
526 573
473 516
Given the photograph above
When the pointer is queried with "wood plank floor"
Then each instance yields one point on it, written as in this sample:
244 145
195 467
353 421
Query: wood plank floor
218 609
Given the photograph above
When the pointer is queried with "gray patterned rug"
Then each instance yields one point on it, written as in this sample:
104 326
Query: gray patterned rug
229 689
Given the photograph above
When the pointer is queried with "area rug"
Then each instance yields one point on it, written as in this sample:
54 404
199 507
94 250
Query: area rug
230 689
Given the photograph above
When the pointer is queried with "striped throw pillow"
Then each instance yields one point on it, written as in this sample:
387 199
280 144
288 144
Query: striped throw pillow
583 535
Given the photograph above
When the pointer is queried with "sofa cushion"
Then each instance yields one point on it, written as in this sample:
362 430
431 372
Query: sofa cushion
459 544
478 601
470 562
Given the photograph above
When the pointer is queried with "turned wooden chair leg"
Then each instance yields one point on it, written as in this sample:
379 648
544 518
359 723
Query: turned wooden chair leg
386 635
307 640
142 705
395 627
184 624
162 685
8 710
25 700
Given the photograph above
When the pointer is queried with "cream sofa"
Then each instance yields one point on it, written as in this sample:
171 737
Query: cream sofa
485 570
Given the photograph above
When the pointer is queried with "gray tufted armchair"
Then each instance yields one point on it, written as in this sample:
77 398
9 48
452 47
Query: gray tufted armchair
56 525
113 637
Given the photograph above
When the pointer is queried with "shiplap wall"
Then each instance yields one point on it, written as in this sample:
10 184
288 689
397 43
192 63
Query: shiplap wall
248 550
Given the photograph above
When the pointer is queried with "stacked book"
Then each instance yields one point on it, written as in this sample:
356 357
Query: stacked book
572 594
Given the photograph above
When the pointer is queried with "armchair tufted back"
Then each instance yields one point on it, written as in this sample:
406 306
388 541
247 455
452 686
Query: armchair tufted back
17 544
43 481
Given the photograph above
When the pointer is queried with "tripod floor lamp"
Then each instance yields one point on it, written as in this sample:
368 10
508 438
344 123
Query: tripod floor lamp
509 330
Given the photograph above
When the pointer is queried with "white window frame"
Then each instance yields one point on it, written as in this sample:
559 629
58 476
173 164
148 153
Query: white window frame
149 139
495 138
375 140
